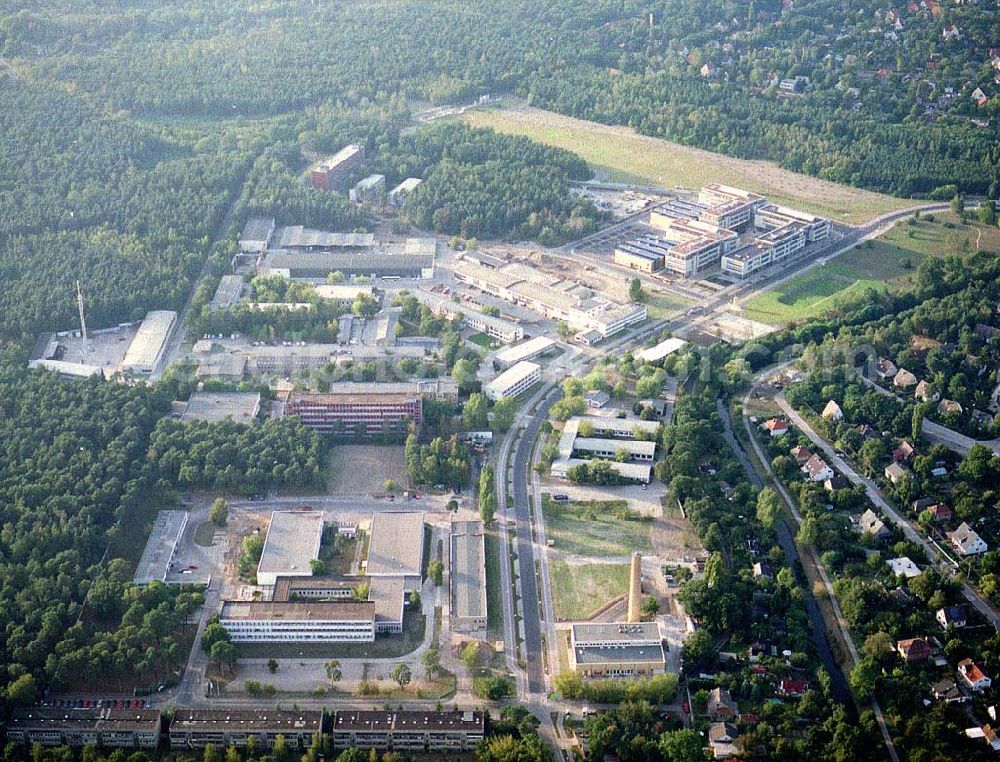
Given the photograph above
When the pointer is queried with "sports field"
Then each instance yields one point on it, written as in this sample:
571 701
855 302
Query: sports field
619 154
889 261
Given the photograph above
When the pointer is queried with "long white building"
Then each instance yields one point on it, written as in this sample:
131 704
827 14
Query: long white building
291 622
513 381
145 353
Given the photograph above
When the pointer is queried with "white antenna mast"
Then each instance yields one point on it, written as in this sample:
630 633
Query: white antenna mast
83 322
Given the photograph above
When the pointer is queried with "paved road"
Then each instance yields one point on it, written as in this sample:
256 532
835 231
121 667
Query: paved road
933 553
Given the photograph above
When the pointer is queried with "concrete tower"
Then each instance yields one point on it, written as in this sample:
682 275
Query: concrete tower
635 589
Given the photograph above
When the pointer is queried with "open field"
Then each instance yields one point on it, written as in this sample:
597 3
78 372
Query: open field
578 590
662 304
888 261
594 528
363 469
619 154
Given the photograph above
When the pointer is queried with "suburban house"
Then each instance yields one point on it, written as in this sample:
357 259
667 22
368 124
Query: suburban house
801 454
904 453
940 512
722 739
966 541
836 484
914 649
951 616
885 368
949 693
792 688
776 427
895 473
870 523
817 470
832 412
972 676
904 379
925 392
949 406
721 704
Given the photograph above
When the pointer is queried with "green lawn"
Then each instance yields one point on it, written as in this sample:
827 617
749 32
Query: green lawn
594 528
621 155
494 591
888 261
484 340
579 590
660 305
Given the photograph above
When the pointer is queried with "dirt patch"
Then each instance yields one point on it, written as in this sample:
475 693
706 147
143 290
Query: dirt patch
364 469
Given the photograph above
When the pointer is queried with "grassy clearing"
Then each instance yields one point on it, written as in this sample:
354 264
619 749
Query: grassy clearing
578 590
594 528
494 590
660 305
888 261
620 155
484 340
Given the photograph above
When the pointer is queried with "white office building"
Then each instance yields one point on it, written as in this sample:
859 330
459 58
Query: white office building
513 381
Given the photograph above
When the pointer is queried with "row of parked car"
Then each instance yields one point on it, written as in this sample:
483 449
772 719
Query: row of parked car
86 703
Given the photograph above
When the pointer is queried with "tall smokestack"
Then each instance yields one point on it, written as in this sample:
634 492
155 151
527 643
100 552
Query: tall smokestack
635 589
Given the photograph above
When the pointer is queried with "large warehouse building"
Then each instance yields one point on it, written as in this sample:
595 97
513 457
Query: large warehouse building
468 578
396 547
413 258
291 545
146 351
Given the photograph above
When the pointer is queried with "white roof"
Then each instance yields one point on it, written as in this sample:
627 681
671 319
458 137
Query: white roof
293 539
396 547
343 293
145 348
903 565
634 447
513 376
638 471
661 350
530 348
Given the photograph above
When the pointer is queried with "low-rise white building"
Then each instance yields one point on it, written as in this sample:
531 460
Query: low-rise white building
513 381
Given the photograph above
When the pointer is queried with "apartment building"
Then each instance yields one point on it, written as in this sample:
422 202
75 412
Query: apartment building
414 731
196 728
356 414
57 726
334 173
